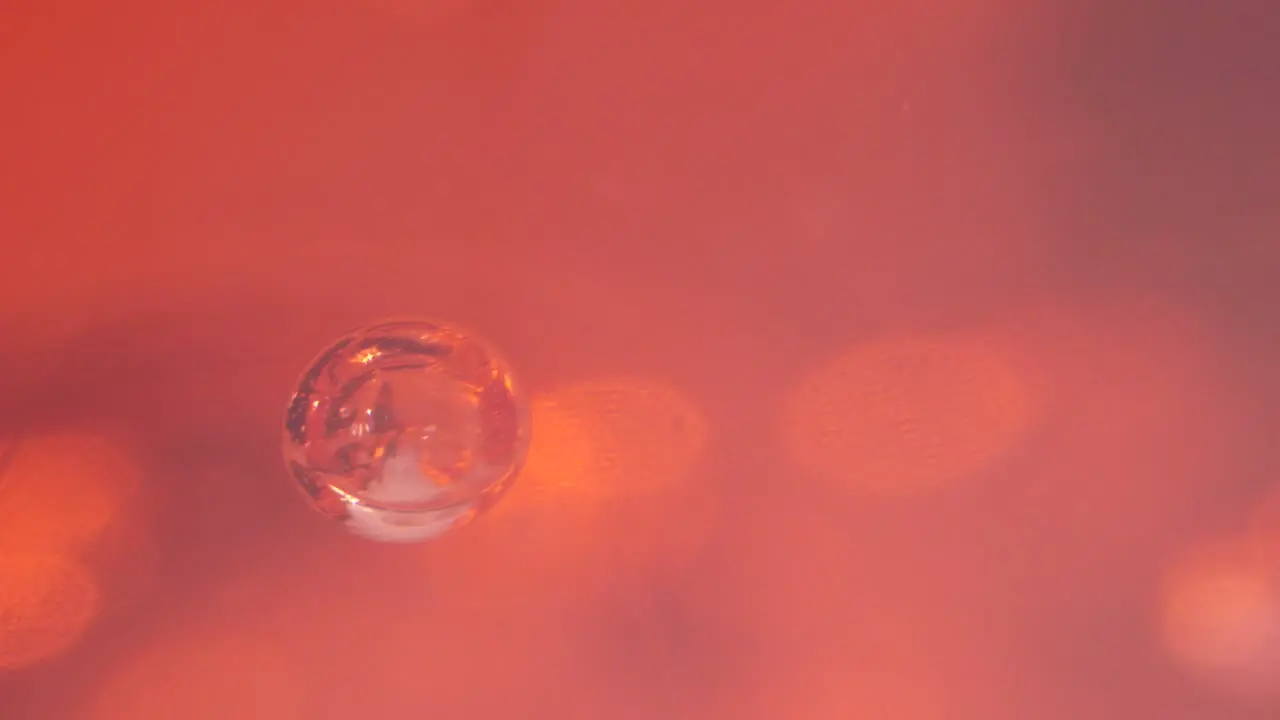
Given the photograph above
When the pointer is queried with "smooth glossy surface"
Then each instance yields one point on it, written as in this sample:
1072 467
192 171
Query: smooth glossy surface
405 430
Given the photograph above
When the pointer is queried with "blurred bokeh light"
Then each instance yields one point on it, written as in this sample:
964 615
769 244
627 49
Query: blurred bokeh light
62 490
609 491
1220 614
612 438
47 602
901 416
71 541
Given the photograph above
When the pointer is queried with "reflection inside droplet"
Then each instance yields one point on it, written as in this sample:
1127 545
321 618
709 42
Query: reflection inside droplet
405 430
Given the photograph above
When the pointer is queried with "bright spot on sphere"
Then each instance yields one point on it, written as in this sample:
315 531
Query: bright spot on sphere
47 602
405 430
906 415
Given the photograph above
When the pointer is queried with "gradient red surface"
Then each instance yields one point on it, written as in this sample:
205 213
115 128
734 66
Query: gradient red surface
901 360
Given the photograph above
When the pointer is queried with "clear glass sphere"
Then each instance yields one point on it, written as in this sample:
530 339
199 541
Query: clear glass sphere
405 430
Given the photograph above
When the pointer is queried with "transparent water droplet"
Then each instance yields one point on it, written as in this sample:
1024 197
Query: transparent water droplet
405 430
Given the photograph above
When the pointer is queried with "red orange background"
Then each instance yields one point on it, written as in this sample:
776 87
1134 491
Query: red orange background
893 360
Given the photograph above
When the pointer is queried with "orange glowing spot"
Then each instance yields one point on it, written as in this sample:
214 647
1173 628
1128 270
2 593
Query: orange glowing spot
61 490
614 438
560 457
1220 614
47 602
906 415
201 678
606 490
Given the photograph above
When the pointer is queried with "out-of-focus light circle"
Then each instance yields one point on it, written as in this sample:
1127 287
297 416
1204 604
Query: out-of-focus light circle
47 602
406 430
615 438
608 472
67 501
1220 614
200 677
59 491
899 416
607 492
563 456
